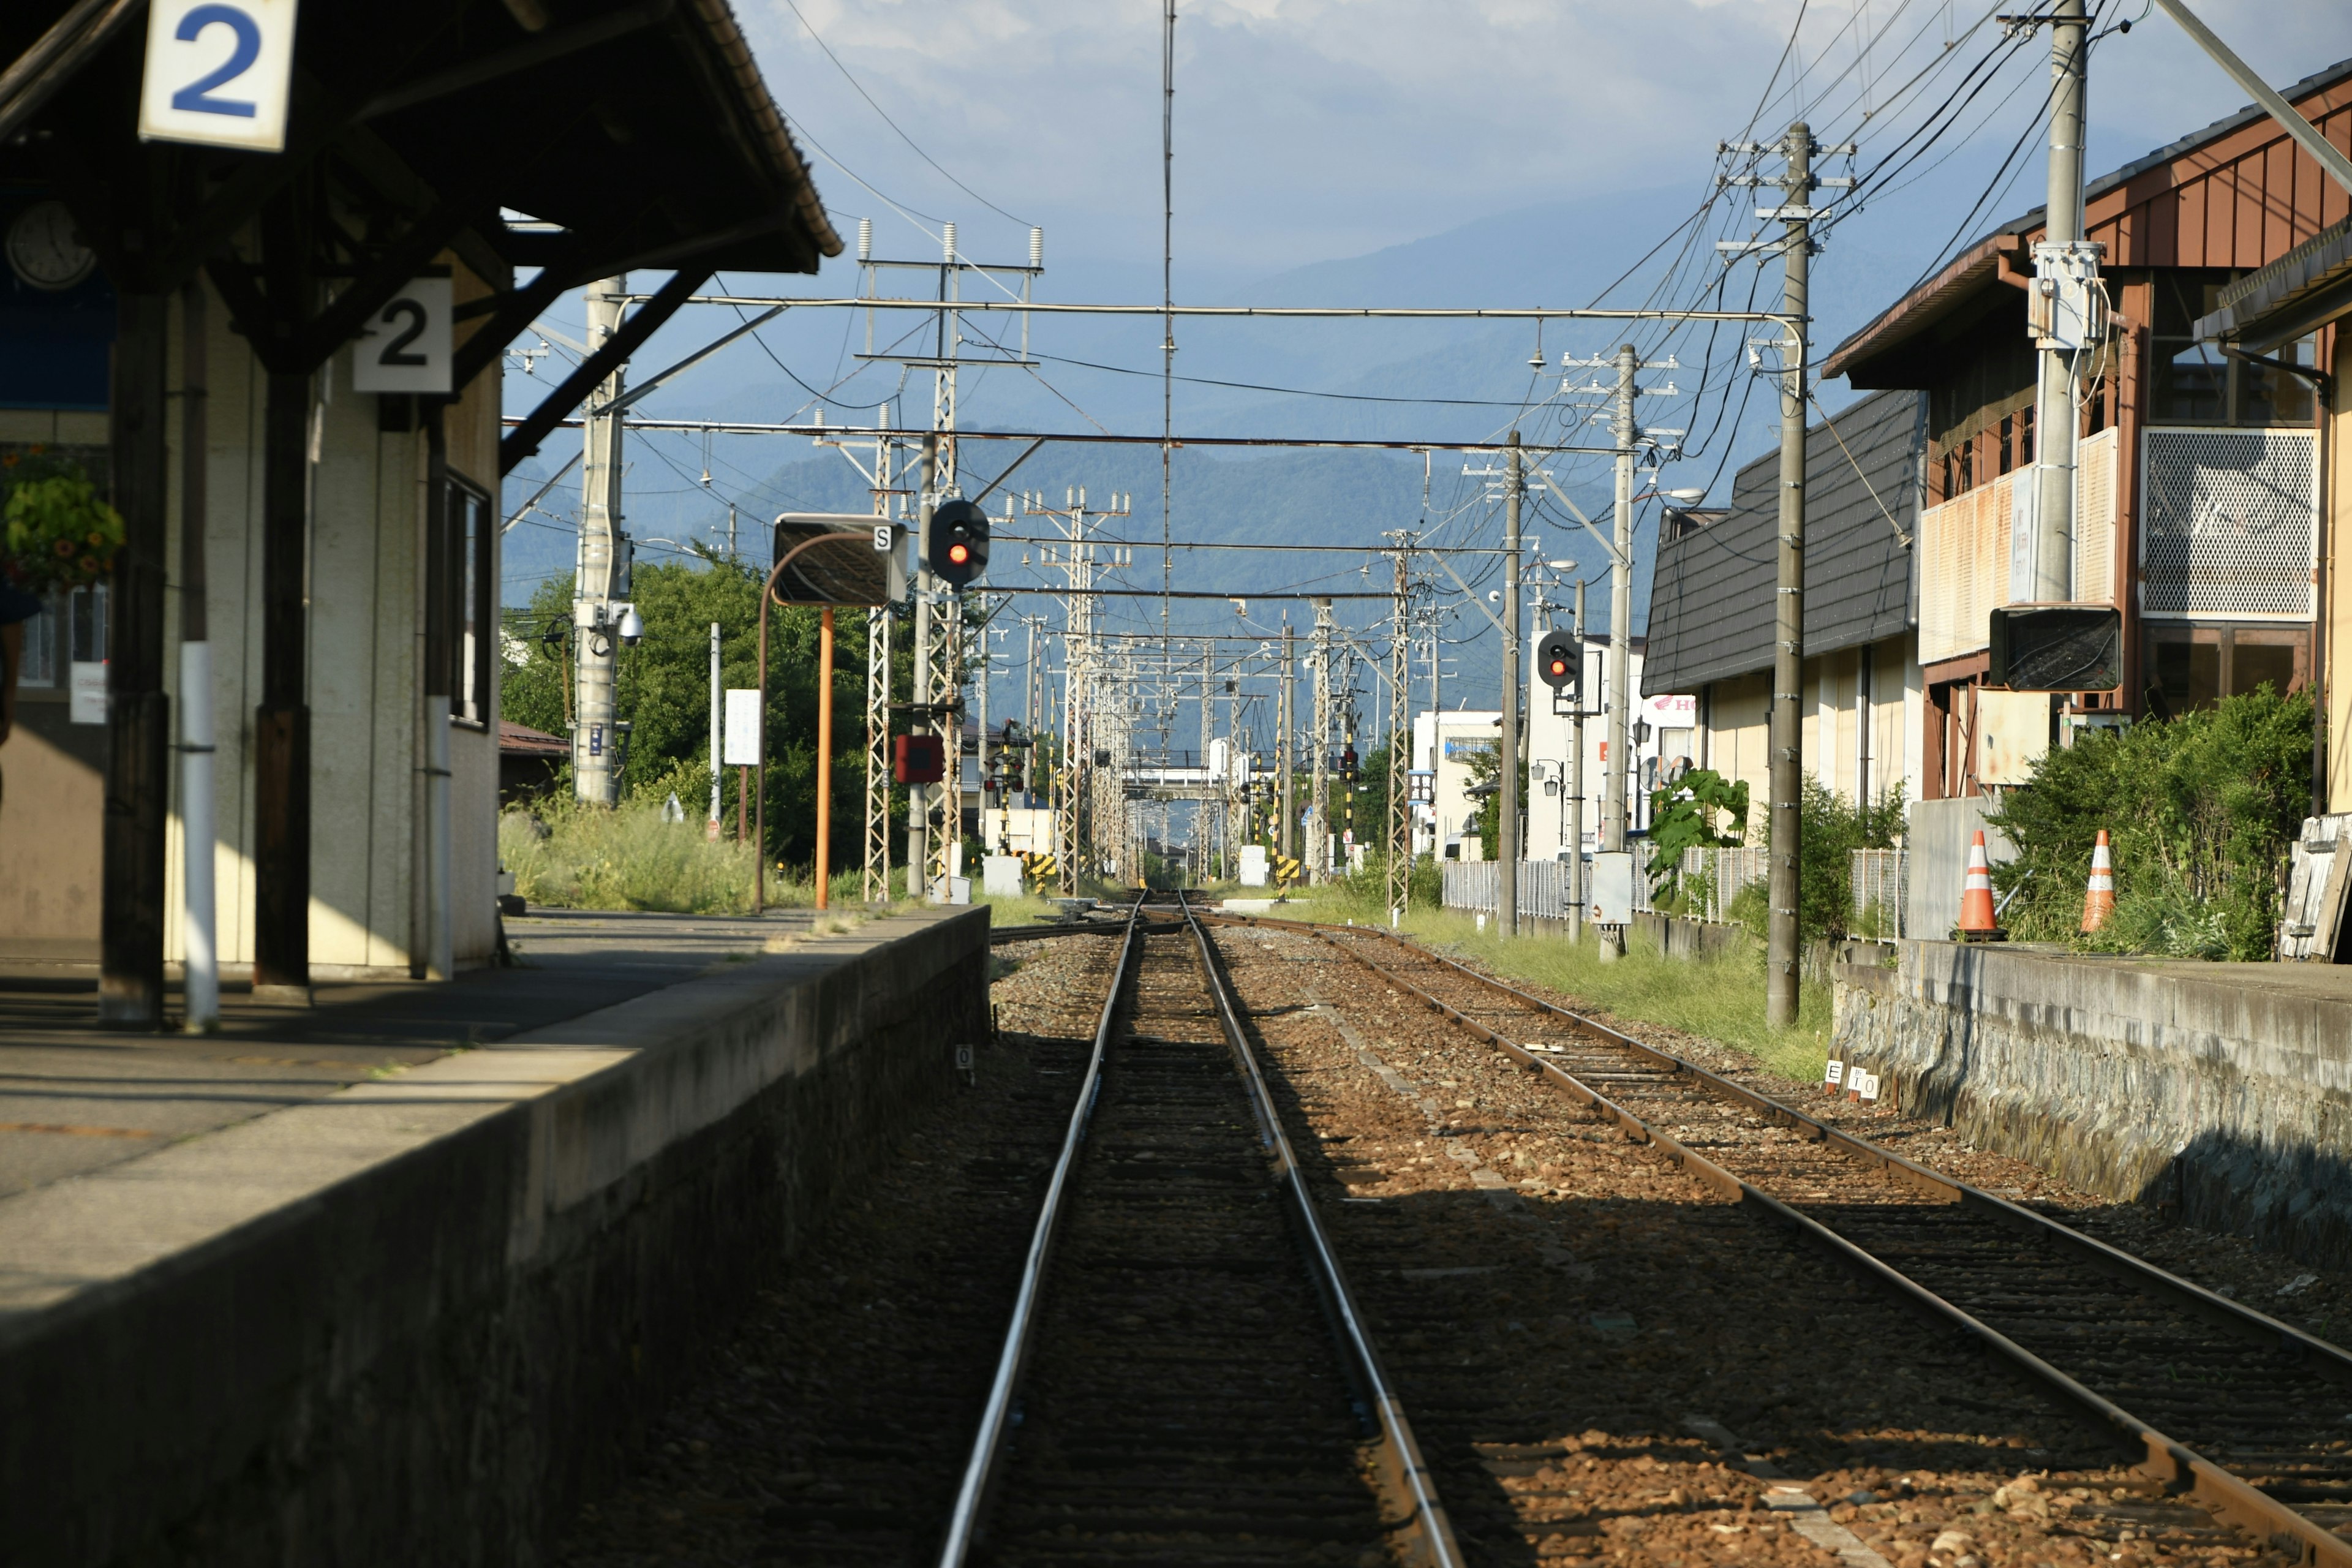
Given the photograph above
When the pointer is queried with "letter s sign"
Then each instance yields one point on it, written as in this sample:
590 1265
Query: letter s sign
217 73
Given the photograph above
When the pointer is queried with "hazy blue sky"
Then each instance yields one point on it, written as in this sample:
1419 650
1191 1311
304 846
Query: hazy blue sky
1315 129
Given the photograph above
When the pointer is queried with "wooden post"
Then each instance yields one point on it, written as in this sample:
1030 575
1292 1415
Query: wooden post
823 752
281 729
138 763
742 806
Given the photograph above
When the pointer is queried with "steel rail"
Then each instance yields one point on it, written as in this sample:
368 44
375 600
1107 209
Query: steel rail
2175 1465
980 1468
1405 1474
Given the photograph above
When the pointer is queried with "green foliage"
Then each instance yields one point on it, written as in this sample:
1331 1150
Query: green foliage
663 689
1832 828
1681 817
1719 998
2201 812
582 858
55 531
1486 768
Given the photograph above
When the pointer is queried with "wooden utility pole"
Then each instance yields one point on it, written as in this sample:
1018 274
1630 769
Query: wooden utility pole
1783 935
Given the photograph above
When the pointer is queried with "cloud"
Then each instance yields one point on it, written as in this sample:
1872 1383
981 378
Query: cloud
1309 129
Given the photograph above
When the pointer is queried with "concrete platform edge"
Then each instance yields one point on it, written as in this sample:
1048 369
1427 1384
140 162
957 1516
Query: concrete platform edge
417 1320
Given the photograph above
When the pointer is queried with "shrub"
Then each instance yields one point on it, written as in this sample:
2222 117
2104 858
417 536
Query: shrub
2201 812
587 858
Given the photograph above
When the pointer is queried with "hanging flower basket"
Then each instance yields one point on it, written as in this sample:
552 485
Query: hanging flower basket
55 532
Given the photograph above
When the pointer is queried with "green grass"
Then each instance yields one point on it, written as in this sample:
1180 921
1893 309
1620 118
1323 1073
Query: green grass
1719 999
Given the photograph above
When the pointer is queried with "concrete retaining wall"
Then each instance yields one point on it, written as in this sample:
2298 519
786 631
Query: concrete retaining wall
1679 937
2221 1093
418 1321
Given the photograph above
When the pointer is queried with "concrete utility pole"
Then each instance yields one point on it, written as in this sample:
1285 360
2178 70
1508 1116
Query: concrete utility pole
918 796
2060 256
1576 898
1286 745
594 739
1617 702
1399 854
1208 738
718 736
1506 817
1319 852
1788 733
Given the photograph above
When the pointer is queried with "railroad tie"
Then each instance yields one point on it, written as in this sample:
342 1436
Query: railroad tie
1497 1188
1788 1501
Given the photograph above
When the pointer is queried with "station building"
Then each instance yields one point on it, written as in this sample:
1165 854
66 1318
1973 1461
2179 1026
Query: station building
180 321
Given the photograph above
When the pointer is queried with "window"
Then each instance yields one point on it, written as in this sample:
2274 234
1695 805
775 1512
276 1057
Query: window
2008 439
469 584
2196 667
2196 384
86 625
39 667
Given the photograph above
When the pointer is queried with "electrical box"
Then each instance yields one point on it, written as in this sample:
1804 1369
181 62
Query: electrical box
2067 308
1612 888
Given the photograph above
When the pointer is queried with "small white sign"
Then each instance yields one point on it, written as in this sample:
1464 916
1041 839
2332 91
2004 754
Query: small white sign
86 692
1834 1074
404 347
217 73
743 749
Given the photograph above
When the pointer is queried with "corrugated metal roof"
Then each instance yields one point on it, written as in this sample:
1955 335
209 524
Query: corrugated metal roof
1972 268
1711 599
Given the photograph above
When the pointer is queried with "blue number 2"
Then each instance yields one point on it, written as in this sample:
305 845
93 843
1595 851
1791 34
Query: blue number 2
194 96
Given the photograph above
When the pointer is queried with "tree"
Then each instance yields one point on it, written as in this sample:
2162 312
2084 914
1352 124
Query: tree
663 690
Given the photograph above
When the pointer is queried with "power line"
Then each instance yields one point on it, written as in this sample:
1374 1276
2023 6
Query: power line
893 124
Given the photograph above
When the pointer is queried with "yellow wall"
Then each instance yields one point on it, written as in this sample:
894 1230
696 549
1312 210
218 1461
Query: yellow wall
1736 717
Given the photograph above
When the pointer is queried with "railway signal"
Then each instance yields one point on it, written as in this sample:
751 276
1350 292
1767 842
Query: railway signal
1556 661
955 545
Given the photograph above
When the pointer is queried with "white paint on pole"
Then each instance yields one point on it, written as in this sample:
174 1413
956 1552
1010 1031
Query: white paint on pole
201 957
404 347
742 727
217 73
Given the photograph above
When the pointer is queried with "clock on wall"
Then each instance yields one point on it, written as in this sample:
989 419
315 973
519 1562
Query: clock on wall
45 249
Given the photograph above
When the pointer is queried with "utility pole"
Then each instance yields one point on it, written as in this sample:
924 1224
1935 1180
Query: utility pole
1319 852
718 736
1400 822
2060 260
1576 896
1208 736
1621 613
594 736
1286 745
1787 739
1506 823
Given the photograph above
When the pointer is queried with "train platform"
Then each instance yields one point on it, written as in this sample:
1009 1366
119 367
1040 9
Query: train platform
75 1098
439 1289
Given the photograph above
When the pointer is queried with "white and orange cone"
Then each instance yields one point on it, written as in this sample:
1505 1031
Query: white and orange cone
2099 899
1977 917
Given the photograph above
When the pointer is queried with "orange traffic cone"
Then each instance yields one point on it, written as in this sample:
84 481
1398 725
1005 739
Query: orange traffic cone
2099 900
1976 918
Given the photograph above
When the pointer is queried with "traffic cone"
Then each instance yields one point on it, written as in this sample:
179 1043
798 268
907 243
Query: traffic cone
2099 900
1976 894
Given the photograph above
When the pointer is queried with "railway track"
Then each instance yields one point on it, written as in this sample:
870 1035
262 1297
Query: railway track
1185 1375
2241 1413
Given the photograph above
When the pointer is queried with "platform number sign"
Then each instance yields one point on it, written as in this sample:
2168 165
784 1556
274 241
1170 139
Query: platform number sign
404 347
217 73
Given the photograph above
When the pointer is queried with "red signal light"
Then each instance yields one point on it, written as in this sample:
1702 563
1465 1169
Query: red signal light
1560 666
959 552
